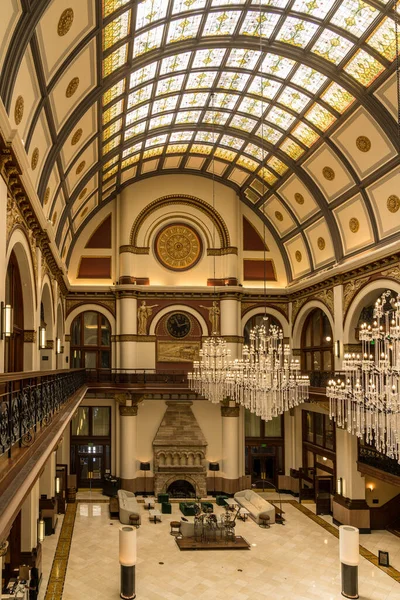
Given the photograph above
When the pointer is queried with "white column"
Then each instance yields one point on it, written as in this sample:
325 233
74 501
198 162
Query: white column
338 325
230 322
29 520
48 477
290 451
230 448
346 465
128 441
63 451
3 240
127 331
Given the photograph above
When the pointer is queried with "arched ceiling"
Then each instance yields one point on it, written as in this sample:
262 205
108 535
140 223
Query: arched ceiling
300 120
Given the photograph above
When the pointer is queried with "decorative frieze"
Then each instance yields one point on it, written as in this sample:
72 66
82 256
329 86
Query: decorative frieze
72 303
350 290
30 336
325 296
128 411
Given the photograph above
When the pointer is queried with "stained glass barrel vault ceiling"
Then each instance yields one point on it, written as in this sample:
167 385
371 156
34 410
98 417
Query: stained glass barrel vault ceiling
194 78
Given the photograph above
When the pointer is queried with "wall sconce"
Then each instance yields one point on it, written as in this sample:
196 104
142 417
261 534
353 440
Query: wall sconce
324 458
337 349
58 346
58 485
6 320
40 530
370 487
339 486
328 338
42 335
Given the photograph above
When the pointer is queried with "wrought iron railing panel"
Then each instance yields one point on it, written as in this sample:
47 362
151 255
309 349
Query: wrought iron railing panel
320 379
136 376
373 458
29 403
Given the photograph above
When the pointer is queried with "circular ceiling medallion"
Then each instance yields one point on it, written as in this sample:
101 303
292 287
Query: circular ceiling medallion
72 87
354 225
328 173
299 198
83 212
321 243
19 110
393 203
35 159
279 215
76 137
80 167
65 22
46 196
54 219
178 247
64 252
363 143
298 256
82 194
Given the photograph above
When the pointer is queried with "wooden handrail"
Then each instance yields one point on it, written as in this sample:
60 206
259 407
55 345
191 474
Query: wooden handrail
19 375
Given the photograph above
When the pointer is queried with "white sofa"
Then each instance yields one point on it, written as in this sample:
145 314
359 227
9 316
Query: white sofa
255 504
187 526
127 506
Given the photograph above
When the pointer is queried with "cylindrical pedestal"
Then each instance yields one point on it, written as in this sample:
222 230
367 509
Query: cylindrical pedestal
127 582
349 581
349 550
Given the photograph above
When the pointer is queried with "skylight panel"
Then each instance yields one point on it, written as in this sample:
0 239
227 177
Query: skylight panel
111 145
113 92
208 58
267 176
270 134
296 32
135 130
305 134
206 136
164 104
221 23
216 117
226 2
276 164
112 112
183 29
117 30
332 47
110 173
337 97
160 121
292 149
187 116
320 117
147 41
110 6
384 39
130 161
142 75
225 154
309 78
205 79
178 62
156 140
267 88
252 106
232 142
201 149
280 117
110 162
181 6
364 68
293 99
255 151
194 99
179 136
227 101
276 65
150 11
169 85
233 81
247 163
177 148
140 95
243 123
132 149
316 8
354 16
254 26
241 58
152 152
276 3
115 60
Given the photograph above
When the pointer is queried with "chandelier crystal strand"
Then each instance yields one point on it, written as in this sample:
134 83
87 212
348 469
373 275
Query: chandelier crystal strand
367 404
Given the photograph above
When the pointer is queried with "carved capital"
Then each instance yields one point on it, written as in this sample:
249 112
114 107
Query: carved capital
128 411
230 411
29 336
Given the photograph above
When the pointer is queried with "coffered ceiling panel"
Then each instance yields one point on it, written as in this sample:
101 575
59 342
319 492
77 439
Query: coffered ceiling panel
329 173
80 166
26 97
10 12
39 148
84 130
354 224
51 191
387 94
298 256
279 216
385 199
320 243
299 198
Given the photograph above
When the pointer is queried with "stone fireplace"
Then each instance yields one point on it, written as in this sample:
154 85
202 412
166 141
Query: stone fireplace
180 450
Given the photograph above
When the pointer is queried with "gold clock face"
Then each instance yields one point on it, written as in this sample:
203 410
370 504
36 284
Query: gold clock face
178 247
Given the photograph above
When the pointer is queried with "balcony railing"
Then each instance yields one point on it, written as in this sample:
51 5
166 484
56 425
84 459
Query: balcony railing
320 379
28 401
136 376
373 458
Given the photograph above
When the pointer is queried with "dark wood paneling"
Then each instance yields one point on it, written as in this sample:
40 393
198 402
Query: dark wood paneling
101 238
256 270
95 267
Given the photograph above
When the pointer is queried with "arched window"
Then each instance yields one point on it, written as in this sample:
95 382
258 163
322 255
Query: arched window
317 343
90 341
259 320
14 344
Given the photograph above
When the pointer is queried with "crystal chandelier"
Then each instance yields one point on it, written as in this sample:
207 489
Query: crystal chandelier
209 377
368 402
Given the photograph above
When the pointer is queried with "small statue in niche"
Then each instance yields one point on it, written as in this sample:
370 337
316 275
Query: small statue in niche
144 312
213 315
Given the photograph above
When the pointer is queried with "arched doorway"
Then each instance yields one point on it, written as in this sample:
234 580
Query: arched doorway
90 341
14 344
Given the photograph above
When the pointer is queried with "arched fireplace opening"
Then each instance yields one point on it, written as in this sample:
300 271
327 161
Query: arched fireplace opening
181 489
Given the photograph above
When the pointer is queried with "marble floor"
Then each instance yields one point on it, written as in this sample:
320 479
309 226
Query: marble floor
298 561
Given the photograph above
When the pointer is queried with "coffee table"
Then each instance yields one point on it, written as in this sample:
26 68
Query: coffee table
154 515
149 503
244 513
231 503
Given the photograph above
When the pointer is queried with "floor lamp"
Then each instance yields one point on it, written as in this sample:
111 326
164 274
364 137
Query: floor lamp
214 467
145 466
